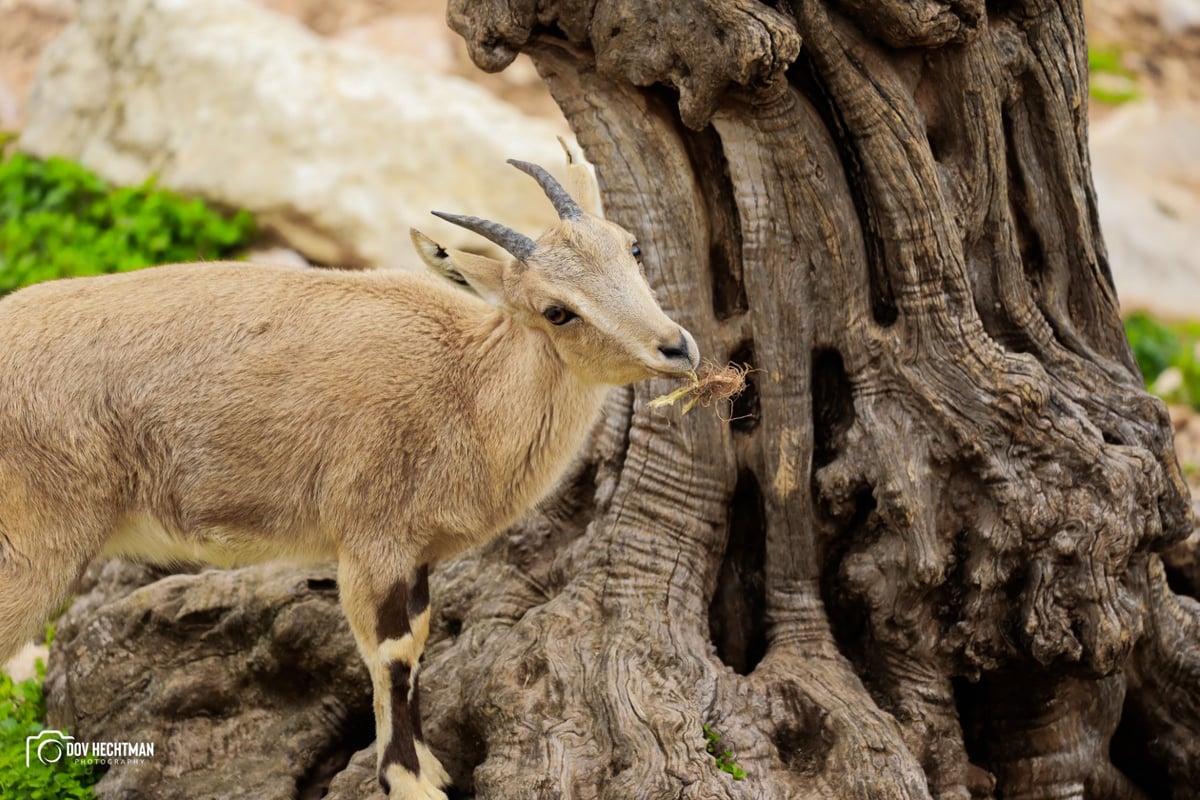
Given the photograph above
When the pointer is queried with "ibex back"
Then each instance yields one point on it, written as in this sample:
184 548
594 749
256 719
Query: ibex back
230 413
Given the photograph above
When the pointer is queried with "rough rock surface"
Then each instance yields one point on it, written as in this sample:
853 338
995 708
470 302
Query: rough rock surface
417 29
337 148
254 669
357 781
26 27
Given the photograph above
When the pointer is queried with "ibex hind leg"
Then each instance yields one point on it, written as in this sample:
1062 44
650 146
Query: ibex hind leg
36 578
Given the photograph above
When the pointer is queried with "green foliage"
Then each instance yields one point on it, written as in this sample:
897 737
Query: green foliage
1154 346
1111 81
724 760
23 714
59 220
1167 356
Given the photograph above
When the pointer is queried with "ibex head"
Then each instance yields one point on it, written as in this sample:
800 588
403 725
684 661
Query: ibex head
581 283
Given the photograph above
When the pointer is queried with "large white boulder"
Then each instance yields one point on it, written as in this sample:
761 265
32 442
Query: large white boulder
338 148
1146 168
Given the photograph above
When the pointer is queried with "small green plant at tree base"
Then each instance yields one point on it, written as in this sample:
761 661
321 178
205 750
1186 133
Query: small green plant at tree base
59 220
23 714
724 759
1167 355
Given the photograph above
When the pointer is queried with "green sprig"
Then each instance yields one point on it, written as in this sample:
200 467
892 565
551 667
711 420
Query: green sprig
724 759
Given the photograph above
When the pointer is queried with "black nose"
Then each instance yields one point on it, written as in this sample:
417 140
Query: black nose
677 350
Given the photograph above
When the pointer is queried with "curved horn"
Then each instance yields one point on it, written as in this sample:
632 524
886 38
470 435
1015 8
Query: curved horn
563 204
518 244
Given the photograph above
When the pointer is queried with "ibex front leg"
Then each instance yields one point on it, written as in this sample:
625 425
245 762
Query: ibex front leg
389 614
418 616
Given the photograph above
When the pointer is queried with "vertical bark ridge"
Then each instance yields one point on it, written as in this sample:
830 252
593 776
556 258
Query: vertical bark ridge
1058 85
657 470
610 445
882 123
800 183
777 271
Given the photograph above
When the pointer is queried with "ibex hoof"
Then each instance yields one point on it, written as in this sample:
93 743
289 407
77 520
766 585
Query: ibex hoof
431 768
400 784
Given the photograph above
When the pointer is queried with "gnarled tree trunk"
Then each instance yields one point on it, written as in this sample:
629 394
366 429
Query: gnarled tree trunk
919 559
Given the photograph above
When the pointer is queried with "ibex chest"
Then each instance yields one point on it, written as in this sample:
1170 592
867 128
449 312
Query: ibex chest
522 469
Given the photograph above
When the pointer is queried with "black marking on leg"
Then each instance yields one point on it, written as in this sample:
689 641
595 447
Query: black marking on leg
384 783
418 598
400 749
414 709
393 613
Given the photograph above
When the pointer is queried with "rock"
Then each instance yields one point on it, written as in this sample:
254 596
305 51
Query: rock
420 37
357 781
336 148
247 682
61 8
329 19
1179 15
279 256
10 109
26 27
1146 168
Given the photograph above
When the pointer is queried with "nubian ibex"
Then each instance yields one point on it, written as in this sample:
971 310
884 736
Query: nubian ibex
228 413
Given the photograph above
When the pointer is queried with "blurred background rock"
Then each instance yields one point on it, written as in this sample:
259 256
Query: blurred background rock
1146 150
339 169
338 125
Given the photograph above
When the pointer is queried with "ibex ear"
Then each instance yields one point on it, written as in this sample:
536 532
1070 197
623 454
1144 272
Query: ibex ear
581 179
436 257
484 275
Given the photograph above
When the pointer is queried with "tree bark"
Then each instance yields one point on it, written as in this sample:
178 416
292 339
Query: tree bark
919 558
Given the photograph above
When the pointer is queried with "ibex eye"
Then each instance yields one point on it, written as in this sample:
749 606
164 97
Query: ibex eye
557 315
637 252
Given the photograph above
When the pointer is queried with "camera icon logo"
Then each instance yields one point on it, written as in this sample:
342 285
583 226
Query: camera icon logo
48 747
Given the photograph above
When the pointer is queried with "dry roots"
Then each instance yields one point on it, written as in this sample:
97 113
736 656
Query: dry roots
708 386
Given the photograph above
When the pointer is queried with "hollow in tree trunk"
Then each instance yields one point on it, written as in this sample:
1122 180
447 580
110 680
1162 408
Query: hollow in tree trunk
919 558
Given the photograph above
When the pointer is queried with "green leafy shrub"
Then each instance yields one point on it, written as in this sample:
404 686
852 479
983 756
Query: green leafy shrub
1111 81
1154 345
59 220
1167 355
724 759
23 714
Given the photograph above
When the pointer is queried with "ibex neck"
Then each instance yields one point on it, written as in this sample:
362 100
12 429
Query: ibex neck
542 412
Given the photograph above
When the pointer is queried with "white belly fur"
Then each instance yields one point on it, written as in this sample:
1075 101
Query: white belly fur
142 537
